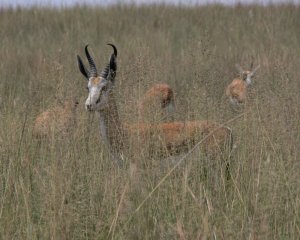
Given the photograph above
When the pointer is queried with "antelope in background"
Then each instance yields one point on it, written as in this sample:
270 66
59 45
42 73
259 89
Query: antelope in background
157 105
237 89
57 120
173 138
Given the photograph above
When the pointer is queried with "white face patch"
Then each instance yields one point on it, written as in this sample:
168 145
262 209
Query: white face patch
97 98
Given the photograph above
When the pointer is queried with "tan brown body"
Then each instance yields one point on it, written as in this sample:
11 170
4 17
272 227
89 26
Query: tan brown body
157 105
177 137
237 91
56 120
171 138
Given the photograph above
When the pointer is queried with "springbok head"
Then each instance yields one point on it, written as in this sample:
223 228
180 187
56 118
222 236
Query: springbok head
247 75
99 85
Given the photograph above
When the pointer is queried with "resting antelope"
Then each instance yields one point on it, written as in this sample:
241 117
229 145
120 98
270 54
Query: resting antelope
237 89
56 120
157 105
175 137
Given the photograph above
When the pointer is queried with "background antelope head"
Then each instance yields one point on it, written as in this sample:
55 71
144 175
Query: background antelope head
157 104
99 85
247 75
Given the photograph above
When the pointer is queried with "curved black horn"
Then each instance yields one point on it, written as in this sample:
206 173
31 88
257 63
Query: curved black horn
113 57
82 68
93 68
112 65
115 49
105 71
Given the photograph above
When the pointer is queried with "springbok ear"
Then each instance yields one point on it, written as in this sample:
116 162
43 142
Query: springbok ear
82 68
239 68
254 71
251 64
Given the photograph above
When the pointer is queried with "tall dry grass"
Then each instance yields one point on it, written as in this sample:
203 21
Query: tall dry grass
70 189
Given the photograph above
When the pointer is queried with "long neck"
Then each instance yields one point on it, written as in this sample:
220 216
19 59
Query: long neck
111 129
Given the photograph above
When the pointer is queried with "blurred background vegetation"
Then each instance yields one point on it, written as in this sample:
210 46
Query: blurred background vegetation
70 189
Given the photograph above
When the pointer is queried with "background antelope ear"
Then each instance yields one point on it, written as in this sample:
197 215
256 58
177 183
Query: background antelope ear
82 68
239 68
254 70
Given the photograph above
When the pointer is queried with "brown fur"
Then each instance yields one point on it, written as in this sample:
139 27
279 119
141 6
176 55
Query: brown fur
176 137
55 120
153 106
237 90
96 80
165 138
170 138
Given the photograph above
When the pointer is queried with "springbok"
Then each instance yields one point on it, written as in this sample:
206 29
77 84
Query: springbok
157 105
57 120
170 138
237 89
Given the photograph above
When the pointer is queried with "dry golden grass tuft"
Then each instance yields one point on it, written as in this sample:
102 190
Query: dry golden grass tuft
71 189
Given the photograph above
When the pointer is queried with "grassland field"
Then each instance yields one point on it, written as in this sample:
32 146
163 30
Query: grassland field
71 189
